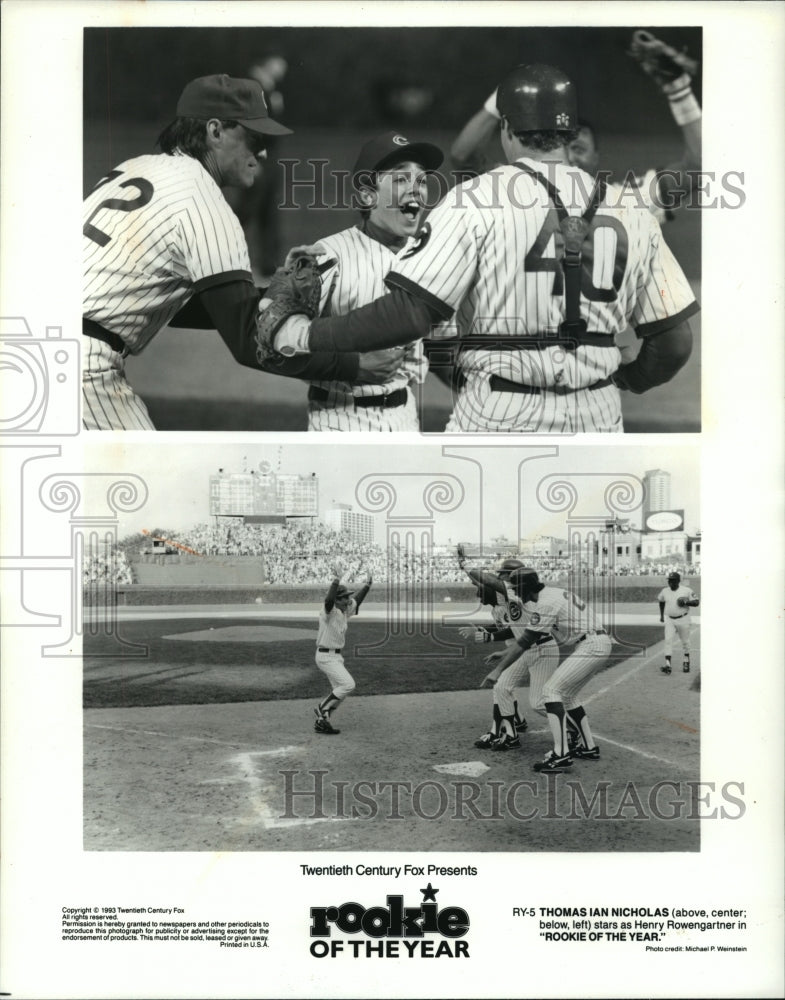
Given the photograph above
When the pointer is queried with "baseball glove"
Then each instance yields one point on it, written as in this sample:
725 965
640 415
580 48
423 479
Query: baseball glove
660 61
682 602
295 289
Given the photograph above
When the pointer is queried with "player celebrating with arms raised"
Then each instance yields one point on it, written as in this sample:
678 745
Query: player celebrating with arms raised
340 604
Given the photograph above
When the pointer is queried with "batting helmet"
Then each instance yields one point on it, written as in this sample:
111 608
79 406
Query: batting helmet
526 581
509 565
538 98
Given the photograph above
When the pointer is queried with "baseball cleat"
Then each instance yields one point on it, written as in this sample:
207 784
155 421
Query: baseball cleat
506 742
484 742
521 725
553 763
685 667
581 753
665 670
326 727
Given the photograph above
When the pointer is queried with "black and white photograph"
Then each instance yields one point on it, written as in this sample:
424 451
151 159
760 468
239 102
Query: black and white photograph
354 714
239 152
560 637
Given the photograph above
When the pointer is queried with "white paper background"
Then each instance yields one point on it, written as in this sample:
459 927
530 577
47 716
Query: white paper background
740 863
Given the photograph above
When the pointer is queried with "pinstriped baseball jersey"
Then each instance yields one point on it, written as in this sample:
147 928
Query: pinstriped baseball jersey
671 597
356 280
333 624
509 613
156 231
561 609
489 257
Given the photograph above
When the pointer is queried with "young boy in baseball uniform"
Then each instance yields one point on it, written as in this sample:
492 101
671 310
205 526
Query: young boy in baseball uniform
339 606
675 602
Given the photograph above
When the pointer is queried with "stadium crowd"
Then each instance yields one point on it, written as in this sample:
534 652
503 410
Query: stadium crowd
310 553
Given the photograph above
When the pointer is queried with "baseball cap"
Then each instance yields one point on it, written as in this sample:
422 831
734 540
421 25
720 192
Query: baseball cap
386 150
526 579
343 592
674 576
228 98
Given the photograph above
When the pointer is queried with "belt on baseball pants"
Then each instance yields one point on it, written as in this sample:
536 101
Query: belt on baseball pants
326 649
592 631
499 384
678 616
92 329
388 402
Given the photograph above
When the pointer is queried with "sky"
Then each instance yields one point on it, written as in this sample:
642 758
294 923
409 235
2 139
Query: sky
487 491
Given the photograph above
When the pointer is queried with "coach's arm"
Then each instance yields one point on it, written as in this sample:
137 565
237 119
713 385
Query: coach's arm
231 307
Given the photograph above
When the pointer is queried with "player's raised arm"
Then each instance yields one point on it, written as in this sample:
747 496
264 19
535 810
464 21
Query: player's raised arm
329 599
672 72
467 148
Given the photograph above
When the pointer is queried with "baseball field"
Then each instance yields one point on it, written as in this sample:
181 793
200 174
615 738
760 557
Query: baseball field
199 737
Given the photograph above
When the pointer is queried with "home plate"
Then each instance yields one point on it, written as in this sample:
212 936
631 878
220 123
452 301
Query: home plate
467 768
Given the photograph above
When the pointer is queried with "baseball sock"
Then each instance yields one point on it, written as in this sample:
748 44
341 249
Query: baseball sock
329 704
507 725
518 717
578 718
497 720
555 710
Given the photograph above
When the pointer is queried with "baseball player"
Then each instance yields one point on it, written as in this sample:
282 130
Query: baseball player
494 591
550 608
675 602
536 290
339 606
390 178
158 232
662 188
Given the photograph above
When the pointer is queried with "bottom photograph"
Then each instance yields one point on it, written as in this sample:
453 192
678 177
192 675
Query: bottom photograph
457 647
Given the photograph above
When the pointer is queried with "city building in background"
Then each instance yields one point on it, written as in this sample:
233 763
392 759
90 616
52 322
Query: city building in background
341 517
657 490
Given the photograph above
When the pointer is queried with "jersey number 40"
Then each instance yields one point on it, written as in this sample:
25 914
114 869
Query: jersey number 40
594 249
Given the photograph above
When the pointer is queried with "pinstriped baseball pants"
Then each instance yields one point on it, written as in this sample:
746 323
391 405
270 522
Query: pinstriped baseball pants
108 401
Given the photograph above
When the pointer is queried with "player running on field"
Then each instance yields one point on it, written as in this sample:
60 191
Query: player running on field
339 606
550 608
158 232
389 176
539 269
495 592
675 602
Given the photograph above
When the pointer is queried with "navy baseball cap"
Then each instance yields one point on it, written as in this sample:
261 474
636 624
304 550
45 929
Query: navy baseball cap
230 99
386 150
343 592
674 576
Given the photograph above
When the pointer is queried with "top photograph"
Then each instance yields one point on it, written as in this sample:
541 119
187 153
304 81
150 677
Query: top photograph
431 230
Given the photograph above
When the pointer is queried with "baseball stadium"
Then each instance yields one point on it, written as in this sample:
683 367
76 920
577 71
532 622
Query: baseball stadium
337 89
200 682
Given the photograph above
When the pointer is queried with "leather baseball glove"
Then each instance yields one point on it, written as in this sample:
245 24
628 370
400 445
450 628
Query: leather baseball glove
295 289
660 61
682 602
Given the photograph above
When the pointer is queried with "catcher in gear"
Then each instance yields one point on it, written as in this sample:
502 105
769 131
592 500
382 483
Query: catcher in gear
675 602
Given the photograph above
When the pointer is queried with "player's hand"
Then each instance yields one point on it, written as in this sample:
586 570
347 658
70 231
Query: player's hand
466 632
492 658
368 579
377 367
314 250
491 678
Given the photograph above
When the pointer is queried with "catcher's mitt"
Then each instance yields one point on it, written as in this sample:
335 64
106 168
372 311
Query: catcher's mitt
294 290
662 62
